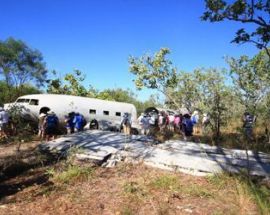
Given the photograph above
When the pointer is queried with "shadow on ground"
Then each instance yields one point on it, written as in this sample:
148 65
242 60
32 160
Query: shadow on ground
23 169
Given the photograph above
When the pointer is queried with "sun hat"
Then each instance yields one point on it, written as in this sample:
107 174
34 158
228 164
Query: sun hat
42 114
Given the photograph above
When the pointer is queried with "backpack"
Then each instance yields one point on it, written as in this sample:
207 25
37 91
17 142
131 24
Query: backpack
51 120
194 119
188 127
125 121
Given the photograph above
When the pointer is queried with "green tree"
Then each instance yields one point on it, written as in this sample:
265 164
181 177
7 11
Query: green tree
155 72
8 94
251 79
187 92
214 96
118 94
121 95
72 84
255 12
19 64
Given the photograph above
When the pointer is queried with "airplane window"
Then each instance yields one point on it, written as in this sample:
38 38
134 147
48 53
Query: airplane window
92 111
118 114
20 101
33 102
105 112
23 100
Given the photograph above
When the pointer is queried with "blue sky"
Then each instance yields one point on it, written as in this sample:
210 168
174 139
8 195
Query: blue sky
97 36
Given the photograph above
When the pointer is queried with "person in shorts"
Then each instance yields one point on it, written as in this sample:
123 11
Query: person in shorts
51 125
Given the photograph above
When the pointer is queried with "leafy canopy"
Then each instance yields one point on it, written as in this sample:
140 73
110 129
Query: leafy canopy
19 64
256 12
155 72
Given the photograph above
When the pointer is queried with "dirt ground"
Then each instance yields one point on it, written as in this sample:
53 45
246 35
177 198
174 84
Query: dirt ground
125 189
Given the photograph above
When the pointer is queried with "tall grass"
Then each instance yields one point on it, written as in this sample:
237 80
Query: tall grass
246 191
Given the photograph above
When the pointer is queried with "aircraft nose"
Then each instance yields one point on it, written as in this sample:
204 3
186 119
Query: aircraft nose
7 105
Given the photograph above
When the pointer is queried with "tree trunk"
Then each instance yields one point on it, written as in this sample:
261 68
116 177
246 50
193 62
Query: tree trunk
171 98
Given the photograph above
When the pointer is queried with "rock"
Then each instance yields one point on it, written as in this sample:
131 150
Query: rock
188 210
266 182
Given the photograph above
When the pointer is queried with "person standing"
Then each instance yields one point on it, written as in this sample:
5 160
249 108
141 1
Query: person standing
187 126
248 123
161 121
145 124
78 122
176 123
126 123
205 122
41 128
4 119
51 123
69 124
140 121
171 121
195 120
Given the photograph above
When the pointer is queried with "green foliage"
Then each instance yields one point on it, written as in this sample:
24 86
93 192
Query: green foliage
134 188
19 64
215 96
188 89
9 94
256 12
21 68
198 191
244 186
251 79
166 182
22 130
71 174
72 84
127 211
118 94
154 72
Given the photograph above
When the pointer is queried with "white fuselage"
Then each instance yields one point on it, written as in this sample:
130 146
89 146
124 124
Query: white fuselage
108 112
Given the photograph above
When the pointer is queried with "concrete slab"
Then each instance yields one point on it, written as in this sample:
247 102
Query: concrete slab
188 157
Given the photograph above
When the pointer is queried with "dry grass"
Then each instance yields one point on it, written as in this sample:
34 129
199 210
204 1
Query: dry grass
132 189
66 188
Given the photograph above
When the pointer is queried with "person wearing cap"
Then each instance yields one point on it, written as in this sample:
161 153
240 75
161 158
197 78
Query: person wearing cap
4 119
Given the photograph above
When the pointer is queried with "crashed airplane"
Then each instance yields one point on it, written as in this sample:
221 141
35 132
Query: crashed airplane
107 113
